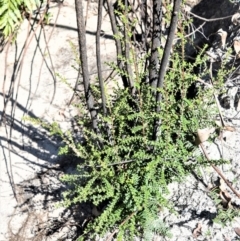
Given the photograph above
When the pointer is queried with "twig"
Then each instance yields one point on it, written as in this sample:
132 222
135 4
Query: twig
219 172
119 46
215 96
86 17
216 99
127 48
43 58
211 19
116 230
47 49
203 82
25 48
5 101
219 110
112 164
193 32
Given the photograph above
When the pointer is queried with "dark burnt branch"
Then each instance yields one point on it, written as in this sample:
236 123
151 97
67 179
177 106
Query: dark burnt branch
127 48
156 36
113 21
165 60
98 54
99 65
84 63
168 46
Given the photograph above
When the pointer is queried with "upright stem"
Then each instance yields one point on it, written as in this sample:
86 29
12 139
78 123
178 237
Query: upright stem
84 62
127 49
164 63
167 49
156 36
98 54
117 41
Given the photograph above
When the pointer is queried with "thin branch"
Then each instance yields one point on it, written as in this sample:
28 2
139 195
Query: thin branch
46 49
116 230
215 96
86 17
112 17
112 164
3 117
211 19
127 49
193 32
99 64
216 99
19 67
26 47
219 172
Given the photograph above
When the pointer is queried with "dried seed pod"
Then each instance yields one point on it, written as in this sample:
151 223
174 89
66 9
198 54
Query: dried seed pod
236 19
236 45
223 35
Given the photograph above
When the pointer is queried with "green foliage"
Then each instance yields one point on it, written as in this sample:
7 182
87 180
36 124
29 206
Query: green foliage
12 13
128 173
226 216
225 213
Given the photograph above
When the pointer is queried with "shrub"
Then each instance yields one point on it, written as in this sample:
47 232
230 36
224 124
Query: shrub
141 137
